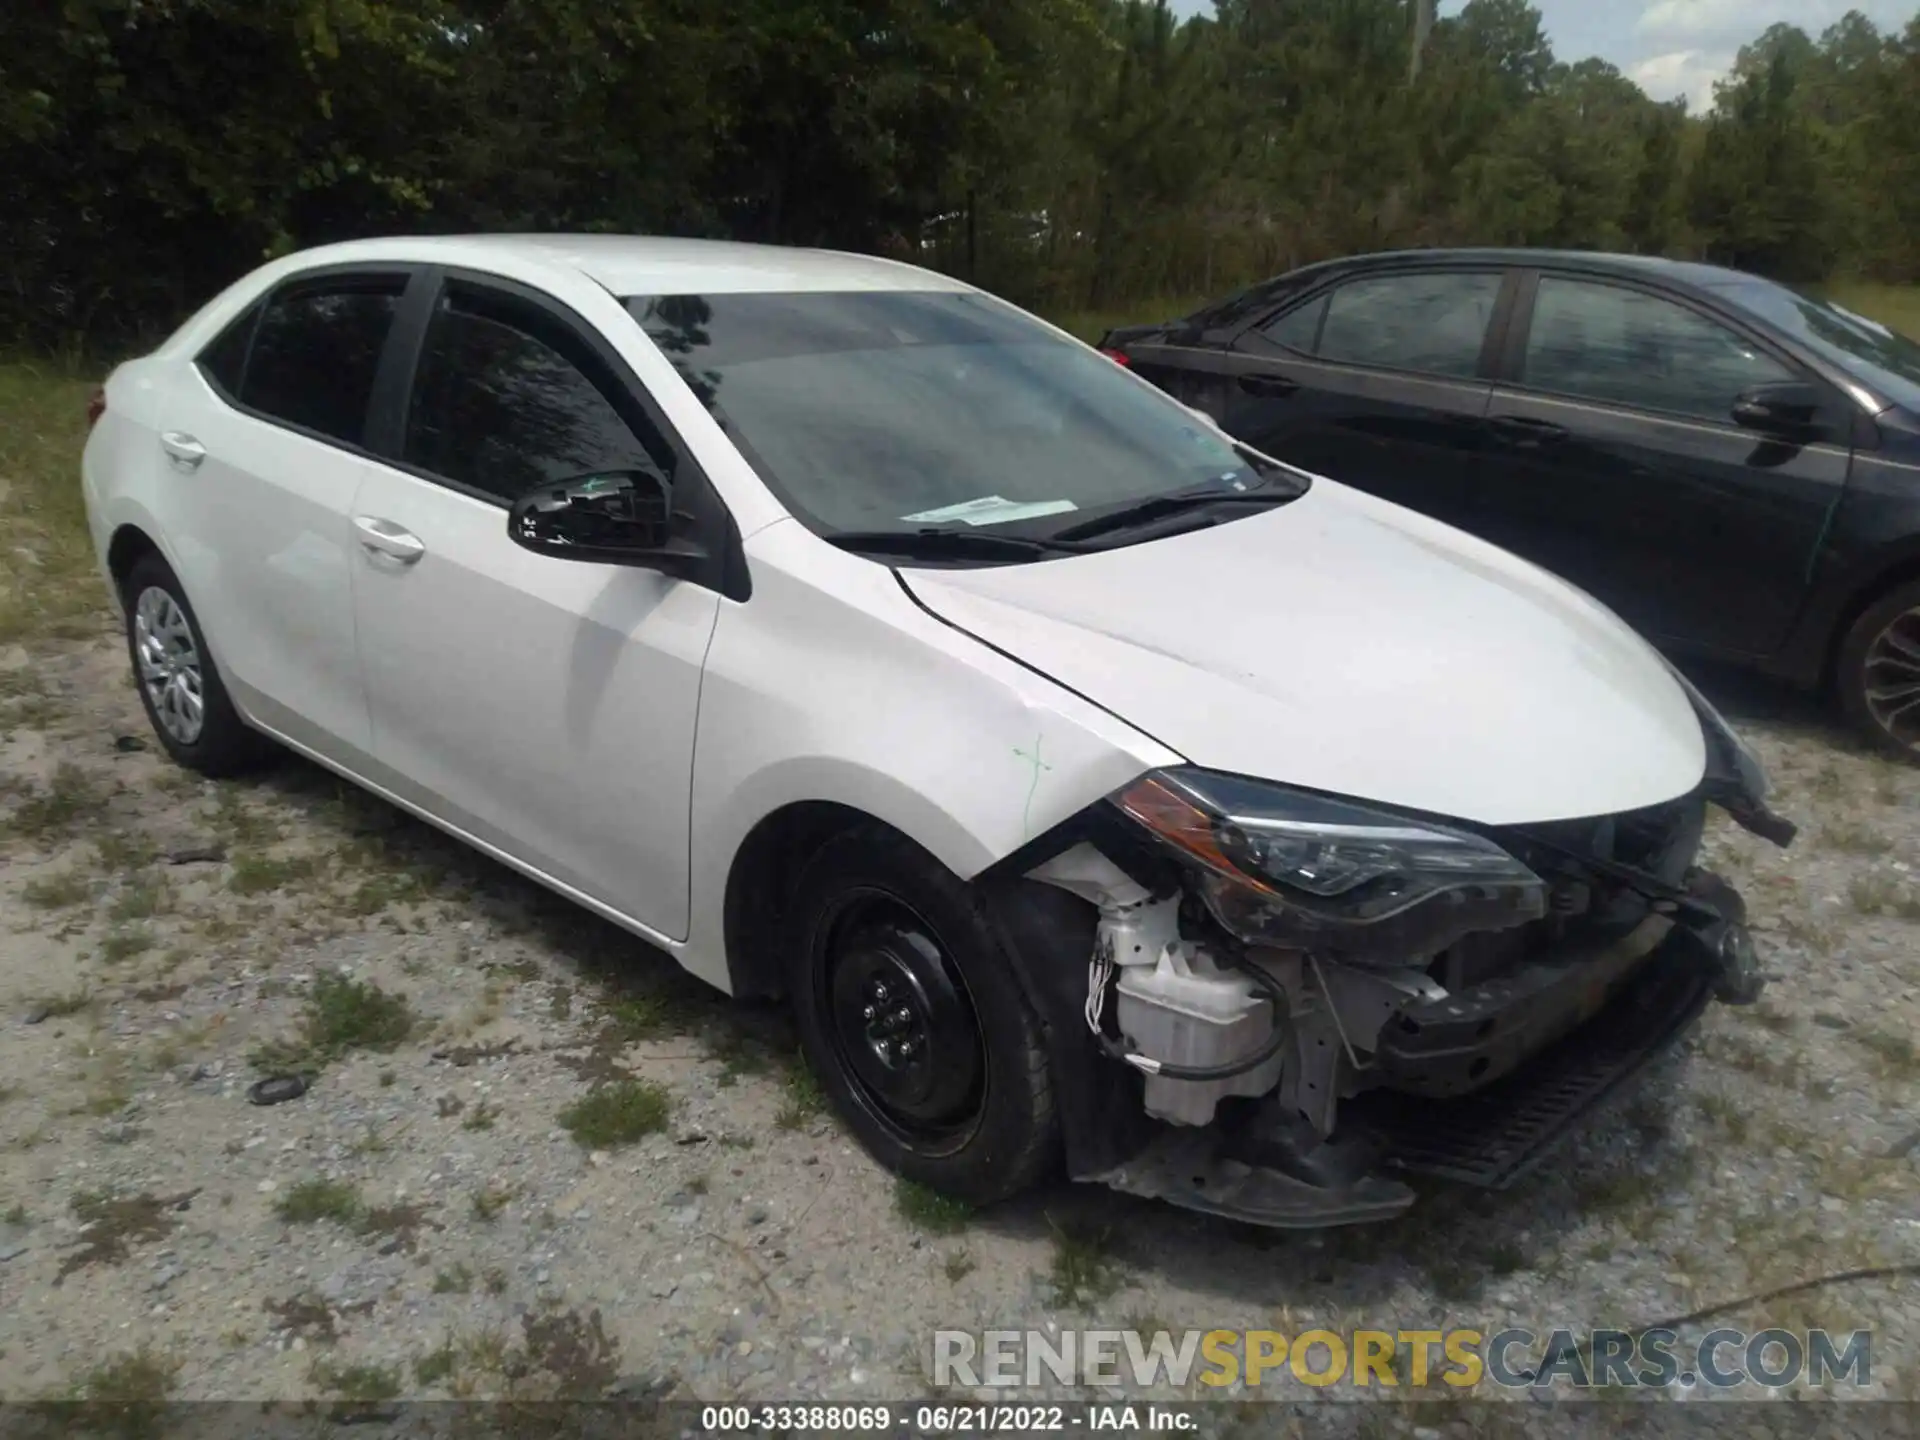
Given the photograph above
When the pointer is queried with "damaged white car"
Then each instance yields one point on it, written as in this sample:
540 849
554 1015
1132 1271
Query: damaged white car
1101 793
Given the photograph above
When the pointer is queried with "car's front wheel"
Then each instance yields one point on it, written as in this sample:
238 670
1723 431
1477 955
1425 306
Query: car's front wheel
914 1021
179 685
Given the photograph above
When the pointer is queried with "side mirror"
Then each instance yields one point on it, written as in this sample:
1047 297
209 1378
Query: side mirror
1786 407
622 517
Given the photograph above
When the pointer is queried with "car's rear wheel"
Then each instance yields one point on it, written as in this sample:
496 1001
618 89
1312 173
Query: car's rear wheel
913 1019
179 685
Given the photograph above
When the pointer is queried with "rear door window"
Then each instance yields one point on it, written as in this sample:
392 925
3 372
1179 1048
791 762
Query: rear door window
224 362
1430 324
316 351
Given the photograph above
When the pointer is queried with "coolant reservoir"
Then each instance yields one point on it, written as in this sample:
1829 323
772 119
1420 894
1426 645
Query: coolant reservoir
1185 1010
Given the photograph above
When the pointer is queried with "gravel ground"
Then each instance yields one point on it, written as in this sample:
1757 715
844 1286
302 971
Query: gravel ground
456 1206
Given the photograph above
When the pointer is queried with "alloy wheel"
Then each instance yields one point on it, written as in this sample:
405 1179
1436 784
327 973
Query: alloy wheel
169 662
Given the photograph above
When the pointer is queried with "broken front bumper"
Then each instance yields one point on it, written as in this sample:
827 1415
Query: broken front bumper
1610 1024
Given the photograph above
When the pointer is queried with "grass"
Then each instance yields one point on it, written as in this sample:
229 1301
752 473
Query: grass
312 1201
126 944
929 1210
1084 1271
261 874
71 800
55 594
458 1280
58 892
488 1204
618 1113
363 1383
127 1395
803 1099
957 1266
58 1007
1894 1054
341 1015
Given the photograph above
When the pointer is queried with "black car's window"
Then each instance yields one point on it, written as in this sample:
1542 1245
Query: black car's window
1434 324
315 353
1299 328
224 362
507 398
1625 347
1884 358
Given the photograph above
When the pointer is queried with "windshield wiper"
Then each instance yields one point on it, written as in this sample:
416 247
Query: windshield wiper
1152 511
935 544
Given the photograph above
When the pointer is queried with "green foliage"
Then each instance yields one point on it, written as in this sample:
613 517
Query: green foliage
1077 155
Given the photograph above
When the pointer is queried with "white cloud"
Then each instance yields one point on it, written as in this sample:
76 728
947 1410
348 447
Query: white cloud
1684 19
1691 73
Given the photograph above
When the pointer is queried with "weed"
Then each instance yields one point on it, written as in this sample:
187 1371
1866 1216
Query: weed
958 1265
387 1077
436 1365
1084 1271
127 1395
618 1113
16 1214
481 1117
311 1201
70 801
495 1281
58 1007
120 852
929 1210
1880 895
1893 1054
341 1015
698 1185
804 1098
259 874
111 1226
488 1204
142 900
363 1383
1850 837
125 944
1768 1018
457 1281
58 892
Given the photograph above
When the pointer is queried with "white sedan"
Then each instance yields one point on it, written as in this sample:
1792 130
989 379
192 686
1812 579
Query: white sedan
1099 791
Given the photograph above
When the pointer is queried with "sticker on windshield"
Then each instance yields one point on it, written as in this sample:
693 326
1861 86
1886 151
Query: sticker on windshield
992 510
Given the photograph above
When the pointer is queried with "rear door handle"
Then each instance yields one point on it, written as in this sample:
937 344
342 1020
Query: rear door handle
1268 387
182 449
383 537
1522 431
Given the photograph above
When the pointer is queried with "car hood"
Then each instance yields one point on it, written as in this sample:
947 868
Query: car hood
1347 645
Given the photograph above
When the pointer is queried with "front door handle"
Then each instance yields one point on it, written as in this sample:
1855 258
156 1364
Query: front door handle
383 537
1527 433
182 449
1268 387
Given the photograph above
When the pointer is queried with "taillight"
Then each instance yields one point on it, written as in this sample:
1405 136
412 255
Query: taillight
1119 357
96 406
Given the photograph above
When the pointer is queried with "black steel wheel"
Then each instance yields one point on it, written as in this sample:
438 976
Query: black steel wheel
915 1021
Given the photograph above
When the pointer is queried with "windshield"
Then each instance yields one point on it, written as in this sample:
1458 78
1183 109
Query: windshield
1866 349
883 411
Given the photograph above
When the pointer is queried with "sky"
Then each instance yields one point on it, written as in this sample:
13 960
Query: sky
1673 47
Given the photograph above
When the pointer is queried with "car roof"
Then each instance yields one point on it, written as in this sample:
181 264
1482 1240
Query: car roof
649 264
1691 272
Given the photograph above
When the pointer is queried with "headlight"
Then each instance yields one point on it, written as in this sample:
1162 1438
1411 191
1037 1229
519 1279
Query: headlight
1280 867
1728 752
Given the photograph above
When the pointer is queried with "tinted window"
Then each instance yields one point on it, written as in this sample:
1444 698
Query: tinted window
1433 324
225 359
1601 342
1299 328
1884 358
315 354
908 410
504 401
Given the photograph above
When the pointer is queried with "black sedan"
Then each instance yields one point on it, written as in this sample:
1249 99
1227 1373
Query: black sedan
1731 465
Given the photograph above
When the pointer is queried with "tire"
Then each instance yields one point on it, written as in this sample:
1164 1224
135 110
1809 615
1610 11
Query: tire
1878 658
176 667
965 1102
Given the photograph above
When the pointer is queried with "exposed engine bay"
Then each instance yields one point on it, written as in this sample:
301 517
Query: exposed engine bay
1316 994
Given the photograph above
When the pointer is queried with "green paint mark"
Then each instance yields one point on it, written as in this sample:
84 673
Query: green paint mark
1026 814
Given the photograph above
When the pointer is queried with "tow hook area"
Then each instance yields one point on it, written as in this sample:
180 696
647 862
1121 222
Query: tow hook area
1727 941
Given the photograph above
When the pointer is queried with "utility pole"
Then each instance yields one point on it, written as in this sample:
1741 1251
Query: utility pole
1422 27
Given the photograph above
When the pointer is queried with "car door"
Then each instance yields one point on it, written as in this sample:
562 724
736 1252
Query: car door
1614 459
264 443
544 706
1374 381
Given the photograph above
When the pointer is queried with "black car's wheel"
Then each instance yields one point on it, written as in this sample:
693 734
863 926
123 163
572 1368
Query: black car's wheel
912 1017
178 682
1878 672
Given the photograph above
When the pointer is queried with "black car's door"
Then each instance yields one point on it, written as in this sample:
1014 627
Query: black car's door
1613 459
1375 380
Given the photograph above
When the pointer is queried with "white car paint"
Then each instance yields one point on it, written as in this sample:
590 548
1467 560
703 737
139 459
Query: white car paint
1455 678
618 735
